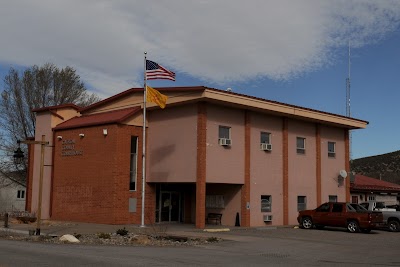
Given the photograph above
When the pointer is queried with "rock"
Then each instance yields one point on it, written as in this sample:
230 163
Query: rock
141 239
69 238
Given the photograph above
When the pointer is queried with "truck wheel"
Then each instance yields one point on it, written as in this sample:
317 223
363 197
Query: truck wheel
306 223
353 227
394 226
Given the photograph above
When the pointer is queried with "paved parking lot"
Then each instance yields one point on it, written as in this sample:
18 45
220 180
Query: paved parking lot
241 247
330 246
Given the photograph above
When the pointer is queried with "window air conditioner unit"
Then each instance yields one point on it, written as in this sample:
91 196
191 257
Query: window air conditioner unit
225 142
266 147
267 218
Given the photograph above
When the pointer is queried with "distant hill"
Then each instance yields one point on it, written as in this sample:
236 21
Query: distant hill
385 167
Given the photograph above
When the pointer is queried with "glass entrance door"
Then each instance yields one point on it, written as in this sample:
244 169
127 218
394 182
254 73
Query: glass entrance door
170 206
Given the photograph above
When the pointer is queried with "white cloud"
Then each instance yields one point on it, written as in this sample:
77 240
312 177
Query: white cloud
211 40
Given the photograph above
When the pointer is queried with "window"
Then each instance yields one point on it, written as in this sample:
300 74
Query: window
301 203
371 198
133 163
224 132
323 208
301 145
337 207
331 149
332 198
265 138
266 203
215 201
224 136
21 194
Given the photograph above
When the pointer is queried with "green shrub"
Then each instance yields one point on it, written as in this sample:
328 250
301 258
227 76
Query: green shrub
122 231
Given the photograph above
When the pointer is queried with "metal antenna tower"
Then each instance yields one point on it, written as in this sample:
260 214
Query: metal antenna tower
348 88
348 113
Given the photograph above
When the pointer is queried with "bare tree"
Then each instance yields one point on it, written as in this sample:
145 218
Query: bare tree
36 87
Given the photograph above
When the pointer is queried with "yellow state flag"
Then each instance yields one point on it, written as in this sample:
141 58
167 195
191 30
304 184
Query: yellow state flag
156 97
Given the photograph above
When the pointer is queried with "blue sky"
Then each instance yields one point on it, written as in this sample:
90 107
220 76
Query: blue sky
288 51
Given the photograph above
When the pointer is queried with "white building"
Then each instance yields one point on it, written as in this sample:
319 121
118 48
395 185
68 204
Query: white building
12 195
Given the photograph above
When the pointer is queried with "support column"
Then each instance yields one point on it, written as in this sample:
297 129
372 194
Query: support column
285 167
318 161
347 162
245 218
201 165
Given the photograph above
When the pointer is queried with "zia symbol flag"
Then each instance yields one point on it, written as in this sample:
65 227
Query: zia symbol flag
156 97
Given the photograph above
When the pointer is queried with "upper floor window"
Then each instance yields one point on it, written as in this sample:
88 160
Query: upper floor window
301 145
20 194
331 149
266 203
265 138
133 163
224 136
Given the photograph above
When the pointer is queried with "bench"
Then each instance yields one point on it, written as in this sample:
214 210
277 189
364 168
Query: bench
214 217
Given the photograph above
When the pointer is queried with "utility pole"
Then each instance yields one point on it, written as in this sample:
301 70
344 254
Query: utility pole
18 156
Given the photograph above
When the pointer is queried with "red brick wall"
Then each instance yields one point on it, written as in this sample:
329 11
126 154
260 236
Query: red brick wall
94 186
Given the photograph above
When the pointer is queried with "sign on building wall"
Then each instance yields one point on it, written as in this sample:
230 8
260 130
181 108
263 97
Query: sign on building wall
68 148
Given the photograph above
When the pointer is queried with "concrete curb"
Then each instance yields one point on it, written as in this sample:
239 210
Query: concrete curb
8 230
217 230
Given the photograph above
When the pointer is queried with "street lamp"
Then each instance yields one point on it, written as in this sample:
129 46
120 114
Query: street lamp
18 158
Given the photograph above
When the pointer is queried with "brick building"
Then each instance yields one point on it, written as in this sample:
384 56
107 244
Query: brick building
208 151
364 189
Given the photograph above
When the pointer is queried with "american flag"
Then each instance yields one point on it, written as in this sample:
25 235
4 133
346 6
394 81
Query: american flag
156 71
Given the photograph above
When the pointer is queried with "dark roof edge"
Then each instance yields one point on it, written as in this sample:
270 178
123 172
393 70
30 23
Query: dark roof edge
50 108
140 89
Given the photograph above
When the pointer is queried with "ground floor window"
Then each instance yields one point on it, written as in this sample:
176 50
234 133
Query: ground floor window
265 203
332 198
133 163
301 203
21 194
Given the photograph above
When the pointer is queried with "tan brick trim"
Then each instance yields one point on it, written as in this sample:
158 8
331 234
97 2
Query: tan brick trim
285 178
245 220
318 161
201 165
347 162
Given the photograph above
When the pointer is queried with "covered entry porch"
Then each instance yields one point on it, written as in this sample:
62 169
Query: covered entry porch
176 203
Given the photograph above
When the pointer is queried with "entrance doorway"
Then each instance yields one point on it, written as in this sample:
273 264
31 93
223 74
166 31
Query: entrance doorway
170 206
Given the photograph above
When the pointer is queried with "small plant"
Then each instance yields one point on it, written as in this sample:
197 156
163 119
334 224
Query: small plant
104 235
122 232
77 236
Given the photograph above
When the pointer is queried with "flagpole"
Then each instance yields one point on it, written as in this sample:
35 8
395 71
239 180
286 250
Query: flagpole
144 141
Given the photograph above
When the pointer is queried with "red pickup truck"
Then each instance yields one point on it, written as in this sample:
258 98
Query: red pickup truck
340 214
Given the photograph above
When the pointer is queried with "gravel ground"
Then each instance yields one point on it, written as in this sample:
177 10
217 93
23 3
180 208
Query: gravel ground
130 239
